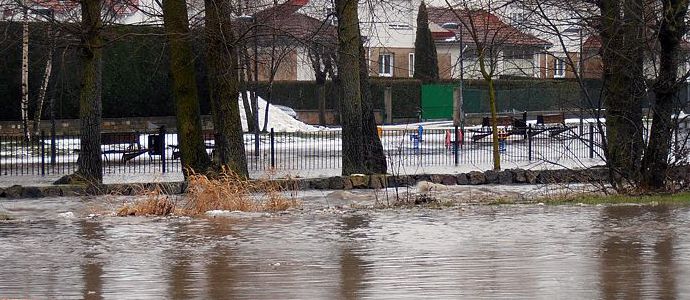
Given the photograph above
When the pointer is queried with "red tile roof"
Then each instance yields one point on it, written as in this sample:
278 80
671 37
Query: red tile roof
488 27
284 19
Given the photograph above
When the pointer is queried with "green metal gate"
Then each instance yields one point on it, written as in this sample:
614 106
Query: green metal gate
437 101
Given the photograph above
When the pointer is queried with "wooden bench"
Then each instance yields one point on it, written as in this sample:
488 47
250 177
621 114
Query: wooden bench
554 124
209 141
512 126
125 143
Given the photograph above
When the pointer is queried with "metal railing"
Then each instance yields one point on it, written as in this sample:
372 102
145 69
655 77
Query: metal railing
156 151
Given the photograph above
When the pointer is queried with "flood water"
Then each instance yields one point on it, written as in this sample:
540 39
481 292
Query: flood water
515 251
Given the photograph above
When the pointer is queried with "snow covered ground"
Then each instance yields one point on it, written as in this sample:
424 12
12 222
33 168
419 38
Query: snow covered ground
298 149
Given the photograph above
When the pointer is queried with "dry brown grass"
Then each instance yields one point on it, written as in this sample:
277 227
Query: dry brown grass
228 191
155 203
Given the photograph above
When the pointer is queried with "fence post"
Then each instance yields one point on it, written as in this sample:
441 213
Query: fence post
43 153
161 141
53 148
591 140
273 151
456 140
529 142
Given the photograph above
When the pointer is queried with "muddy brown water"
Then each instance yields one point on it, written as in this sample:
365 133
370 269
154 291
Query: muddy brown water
513 251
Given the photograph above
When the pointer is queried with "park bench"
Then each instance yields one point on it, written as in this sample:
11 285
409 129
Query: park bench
209 141
511 125
554 124
125 143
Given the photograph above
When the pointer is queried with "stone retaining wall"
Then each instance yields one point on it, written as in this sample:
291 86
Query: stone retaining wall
505 177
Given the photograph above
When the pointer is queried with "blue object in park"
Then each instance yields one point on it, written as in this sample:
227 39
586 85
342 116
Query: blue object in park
417 138
502 145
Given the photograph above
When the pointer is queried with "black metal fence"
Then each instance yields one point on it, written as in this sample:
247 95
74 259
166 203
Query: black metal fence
156 151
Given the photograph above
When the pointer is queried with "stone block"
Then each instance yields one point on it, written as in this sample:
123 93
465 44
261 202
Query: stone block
319 184
491 176
347 183
476 178
436 178
14 192
519 175
51 191
462 179
378 182
359 181
531 176
32 192
449 180
336 183
505 177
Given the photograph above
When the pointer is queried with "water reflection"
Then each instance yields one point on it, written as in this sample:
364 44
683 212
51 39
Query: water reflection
92 269
180 267
352 266
629 252
220 271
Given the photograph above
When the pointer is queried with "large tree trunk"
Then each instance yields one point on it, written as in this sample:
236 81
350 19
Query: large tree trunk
221 55
349 41
671 31
374 157
622 34
192 148
90 160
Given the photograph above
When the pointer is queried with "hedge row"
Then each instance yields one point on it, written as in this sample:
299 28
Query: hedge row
136 80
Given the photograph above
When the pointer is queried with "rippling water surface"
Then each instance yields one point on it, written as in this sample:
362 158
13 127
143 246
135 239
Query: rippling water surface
529 252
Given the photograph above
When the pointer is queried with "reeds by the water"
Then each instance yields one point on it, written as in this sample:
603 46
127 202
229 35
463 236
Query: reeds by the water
225 191
229 191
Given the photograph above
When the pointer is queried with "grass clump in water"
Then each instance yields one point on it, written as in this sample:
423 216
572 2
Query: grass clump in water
155 203
5 216
225 191
229 191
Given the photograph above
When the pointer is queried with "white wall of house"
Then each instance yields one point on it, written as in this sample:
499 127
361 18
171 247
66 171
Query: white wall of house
304 68
504 66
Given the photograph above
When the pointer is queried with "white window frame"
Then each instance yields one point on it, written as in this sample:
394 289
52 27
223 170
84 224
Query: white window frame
559 68
410 62
386 69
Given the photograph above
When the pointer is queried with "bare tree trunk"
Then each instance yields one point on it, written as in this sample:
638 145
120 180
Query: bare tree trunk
321 95
192 147
622 56
374 157
251 85
487 74
44 85
221 55
90 160
349 41
244 88
494 125
24 103
656 156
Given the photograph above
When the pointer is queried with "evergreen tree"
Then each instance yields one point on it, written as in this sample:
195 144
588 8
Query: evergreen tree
425 60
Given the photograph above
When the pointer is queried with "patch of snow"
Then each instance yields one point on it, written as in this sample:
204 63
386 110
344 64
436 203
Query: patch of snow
66 215
278 119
